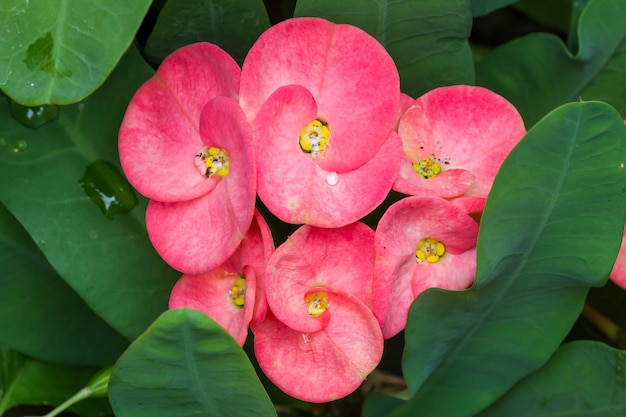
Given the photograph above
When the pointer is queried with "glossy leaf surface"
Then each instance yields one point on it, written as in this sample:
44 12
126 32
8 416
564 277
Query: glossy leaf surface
538 73
26 381
109 262
540 247
582 378
59 52
186 365
60 327
233 25
427 39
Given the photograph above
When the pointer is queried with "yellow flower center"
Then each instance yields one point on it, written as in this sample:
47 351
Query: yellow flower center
238 292
427 168
314 138
316 303
429 250
211 160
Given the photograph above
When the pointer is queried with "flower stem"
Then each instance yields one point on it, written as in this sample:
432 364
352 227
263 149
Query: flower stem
610 329
96 387
80 395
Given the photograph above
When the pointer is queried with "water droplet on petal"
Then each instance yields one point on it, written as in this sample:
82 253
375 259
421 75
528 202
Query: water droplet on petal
304 342
332 178
108 189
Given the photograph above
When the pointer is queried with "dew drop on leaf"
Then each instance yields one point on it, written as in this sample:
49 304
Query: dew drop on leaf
20 146
108 189
34 117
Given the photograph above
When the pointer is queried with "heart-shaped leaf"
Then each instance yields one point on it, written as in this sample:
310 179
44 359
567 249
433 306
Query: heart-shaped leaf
186 365
59 52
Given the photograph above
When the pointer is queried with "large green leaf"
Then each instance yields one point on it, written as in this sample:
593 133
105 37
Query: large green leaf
483 7
538 73
61 328
427 39
551 229
186 365
26 381
109 262
581 379
56 51
233 25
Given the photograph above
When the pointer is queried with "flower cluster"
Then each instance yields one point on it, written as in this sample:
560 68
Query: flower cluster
314 123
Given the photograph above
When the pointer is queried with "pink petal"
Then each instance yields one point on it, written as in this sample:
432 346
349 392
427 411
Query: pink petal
209 293
473 206
448 184
199 235
343 67
454 272
298 190
324 365
464 127
618 274
406 101
194 236
159 137
223 125
399 231
332 260
254 251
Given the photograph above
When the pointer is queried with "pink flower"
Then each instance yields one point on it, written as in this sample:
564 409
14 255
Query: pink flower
185 144
320 338
618 274
323 99
454 141
421 242
233 293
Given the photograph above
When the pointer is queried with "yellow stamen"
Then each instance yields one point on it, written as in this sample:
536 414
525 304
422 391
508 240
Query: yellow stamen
213 161
238 292
314 138
316 303
429 250
427 168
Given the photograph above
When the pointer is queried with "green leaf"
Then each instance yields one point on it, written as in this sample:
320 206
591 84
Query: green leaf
56 51
554 13
61 328
538 73
109 262
186 365
581 379
378 404
427 39
233 25
483 7
26 381
551 228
